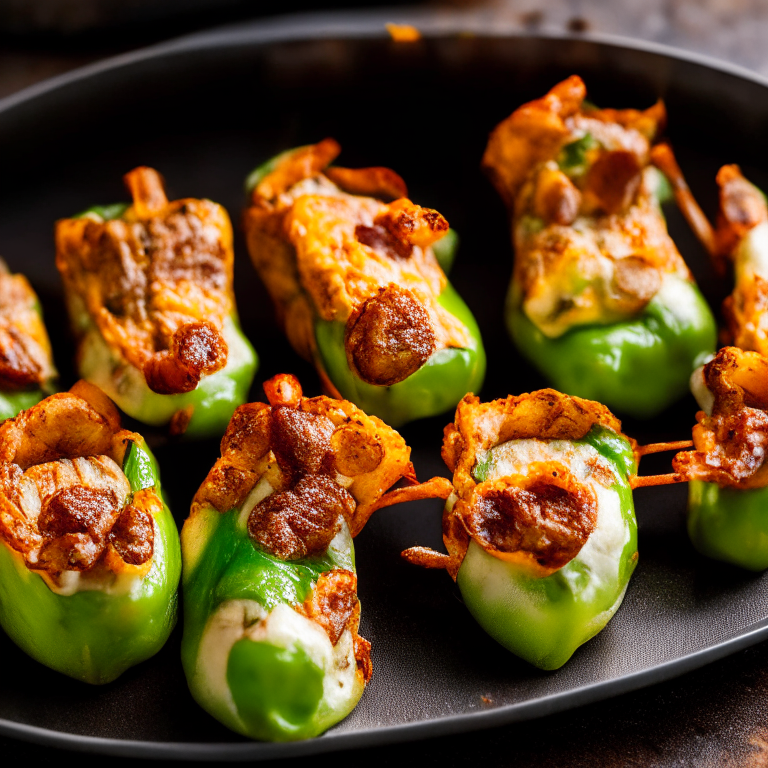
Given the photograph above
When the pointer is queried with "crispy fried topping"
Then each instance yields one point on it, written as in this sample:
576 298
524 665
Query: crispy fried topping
333 603
540 520
65 504
581 194
303 521
546 515
742 209
731 442
331 441
389 337
25 351
324 247
157 283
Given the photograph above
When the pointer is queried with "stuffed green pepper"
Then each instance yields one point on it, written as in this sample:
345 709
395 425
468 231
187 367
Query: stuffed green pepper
89 553
352 267
271 614
540 528
27 373
727 471
150 297
600 300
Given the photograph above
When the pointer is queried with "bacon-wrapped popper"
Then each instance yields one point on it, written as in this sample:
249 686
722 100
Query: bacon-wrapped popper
271 614
26 361
357 284
149 292
727 471
600 299
540 528
89 552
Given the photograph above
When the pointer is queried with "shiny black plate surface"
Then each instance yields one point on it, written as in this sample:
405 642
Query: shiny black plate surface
204 111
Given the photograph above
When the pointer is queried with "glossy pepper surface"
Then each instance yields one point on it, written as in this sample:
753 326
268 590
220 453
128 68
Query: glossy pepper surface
149 289
89 554
540 530
271 645
356 272
727 473
600 300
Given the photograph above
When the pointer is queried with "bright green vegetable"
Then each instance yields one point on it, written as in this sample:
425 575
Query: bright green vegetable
637 366
93 634
213 401
435 388
545 619
251 660
729 524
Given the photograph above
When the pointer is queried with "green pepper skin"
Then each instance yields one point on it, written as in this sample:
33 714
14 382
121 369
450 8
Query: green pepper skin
729 524
265 690
638 367
435 388
91 635
12 403
213 401
544 620
445 250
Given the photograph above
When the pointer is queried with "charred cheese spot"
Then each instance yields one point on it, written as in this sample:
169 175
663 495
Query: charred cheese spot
333 603
133 536
390 337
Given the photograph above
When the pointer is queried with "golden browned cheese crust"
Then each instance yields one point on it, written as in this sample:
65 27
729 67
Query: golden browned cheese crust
25 350
539 520
65 504
157 283
327 245
732 442
591 244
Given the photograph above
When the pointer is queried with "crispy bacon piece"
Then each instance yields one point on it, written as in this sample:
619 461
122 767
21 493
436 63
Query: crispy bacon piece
540 520
65 504
555 161
295 437
157 282
327 245
25 351
731 442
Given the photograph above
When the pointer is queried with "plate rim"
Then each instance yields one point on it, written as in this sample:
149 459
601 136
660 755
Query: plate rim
358 24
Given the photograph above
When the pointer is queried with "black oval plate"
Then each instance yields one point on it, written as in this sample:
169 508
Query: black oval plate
205 110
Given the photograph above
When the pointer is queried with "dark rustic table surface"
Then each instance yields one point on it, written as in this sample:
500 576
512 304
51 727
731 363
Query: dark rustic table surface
716 716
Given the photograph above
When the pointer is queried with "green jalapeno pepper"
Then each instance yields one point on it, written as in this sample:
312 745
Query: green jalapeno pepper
539 590
545 619
97 632
726 472
636 366
288 683
323 334
151 372
601 301
729 524
435 388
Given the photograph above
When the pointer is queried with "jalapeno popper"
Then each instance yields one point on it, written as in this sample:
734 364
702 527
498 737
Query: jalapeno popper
352 267
271 645
727 471
600 300
89 553
149 292
540 528
27 372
